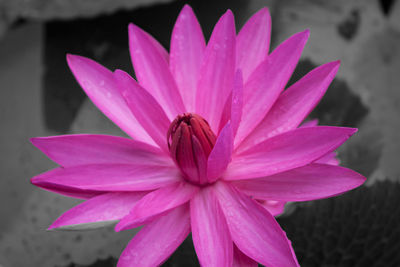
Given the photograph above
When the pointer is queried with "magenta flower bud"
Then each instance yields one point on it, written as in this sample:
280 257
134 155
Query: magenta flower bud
190 141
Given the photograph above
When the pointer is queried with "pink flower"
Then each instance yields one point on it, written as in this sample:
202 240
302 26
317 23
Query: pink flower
212 131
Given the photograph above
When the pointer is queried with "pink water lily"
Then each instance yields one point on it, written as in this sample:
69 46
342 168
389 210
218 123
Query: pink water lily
213 136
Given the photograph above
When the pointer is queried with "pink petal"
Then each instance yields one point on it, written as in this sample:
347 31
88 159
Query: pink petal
100 86
187 48
201 160
310 182
241 260
217 71
293 105
67 190
157 240
287 151
274 207
253 42
237 102
145 108
310 123
233 105
99 211
268 80
152 72
157 202
108 177
254 231
329 158
221 154
211 237
83 149
160 49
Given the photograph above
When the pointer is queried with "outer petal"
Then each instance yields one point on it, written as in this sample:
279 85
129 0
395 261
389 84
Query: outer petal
254 231
210 233
329 158
293 105
108 177
152 72
233 105
100 86
310 123
145 108
274 207
287 151
267 82
253 42
237 102
310 182
83 149
187 48
67 190
160 49
97 212
156 203
157 240
217 71
241 260
221 154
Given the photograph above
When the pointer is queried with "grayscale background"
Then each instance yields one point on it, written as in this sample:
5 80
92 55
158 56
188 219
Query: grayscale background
39 97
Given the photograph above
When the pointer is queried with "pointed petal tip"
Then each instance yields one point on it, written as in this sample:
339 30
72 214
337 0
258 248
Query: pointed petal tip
75 62
133 30
35 181
35 141
228 12
187 8
118 228
228 16
333 65
131 26
264 13
39 140
264 10
52 227
362 179
38 181
73 59
123 225
69 56
303 36
227 19
186 15
353 130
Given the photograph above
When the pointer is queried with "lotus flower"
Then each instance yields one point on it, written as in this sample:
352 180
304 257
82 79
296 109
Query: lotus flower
212 133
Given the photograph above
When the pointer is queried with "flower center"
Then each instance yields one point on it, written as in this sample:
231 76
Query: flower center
190 141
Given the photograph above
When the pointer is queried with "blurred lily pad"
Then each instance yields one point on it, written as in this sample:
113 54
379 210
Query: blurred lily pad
359 228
